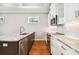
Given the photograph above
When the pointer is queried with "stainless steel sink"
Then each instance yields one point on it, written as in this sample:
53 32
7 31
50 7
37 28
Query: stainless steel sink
23 33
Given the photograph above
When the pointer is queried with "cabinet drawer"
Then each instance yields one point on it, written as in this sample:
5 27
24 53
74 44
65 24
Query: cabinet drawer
68 51
8 48
61 48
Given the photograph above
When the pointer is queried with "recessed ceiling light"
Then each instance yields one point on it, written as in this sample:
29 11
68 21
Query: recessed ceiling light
32 4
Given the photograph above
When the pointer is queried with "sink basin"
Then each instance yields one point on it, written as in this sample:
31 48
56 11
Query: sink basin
23 33
60 33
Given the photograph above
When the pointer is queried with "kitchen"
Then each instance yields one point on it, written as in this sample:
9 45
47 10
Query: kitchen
21 24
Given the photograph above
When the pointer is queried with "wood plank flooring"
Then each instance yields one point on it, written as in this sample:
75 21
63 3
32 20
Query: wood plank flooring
39 47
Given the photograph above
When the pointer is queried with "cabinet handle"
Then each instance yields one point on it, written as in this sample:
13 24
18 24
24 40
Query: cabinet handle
5 44
63 48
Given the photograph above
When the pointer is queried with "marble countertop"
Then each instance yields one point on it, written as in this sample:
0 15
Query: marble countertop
73 43
13 37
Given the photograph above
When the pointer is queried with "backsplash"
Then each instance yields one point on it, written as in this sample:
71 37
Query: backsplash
52 29
71 29
60 29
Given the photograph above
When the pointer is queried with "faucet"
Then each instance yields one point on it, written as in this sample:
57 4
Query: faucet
22 29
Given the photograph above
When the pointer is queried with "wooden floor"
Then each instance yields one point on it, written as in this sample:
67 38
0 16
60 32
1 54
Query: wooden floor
39 48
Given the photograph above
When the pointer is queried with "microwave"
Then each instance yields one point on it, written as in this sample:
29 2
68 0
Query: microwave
53 21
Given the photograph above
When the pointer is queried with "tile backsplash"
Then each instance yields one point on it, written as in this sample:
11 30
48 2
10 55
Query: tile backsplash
52 29
60 29
71 29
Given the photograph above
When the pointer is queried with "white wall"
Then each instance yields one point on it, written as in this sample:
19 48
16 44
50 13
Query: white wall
14 21
69 11
71 28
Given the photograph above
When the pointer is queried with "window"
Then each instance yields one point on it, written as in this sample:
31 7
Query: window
33 19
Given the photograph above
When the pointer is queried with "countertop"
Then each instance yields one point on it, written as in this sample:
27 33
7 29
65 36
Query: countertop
73 43
13 37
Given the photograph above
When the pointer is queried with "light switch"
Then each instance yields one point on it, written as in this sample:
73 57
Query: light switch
5 44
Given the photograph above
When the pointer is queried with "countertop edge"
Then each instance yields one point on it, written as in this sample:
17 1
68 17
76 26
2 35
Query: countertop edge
17 39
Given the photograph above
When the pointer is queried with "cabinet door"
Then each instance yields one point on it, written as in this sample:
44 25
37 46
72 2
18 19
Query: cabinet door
22 49
23 46
30 40
26 45
60 13
51 13
53 9
60 9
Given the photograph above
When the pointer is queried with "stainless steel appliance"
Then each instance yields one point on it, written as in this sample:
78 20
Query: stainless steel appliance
53 21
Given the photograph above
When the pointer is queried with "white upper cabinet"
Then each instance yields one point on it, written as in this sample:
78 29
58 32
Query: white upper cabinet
51 13
60 9
57 9
60 13
65 11
53 9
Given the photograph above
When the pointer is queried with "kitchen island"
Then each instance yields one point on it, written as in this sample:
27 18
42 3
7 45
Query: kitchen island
16 44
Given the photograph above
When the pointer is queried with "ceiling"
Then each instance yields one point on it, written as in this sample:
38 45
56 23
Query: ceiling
25 7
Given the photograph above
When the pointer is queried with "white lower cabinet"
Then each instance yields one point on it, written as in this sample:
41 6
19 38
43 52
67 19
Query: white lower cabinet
58 48
68 51
55 47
